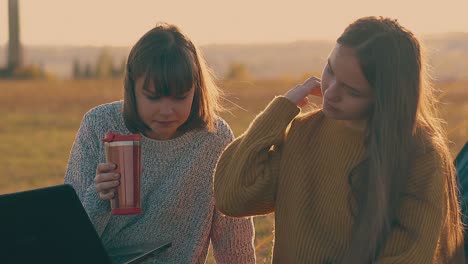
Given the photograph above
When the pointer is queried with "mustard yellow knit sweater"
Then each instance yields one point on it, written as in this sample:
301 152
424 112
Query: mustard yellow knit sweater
299 170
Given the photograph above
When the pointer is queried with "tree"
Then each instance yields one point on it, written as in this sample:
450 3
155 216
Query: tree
104 65
238 71
88 72
77 74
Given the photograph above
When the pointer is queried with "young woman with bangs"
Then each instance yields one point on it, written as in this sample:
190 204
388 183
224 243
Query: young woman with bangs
172 101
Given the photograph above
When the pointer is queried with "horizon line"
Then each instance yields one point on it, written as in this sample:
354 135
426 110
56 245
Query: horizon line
240 43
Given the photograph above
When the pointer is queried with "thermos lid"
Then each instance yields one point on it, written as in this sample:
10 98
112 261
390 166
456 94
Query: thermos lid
110 137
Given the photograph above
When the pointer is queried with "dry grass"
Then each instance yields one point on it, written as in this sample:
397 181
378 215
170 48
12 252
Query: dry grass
38 122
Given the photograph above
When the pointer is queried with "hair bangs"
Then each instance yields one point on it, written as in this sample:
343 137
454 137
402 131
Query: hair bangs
171 74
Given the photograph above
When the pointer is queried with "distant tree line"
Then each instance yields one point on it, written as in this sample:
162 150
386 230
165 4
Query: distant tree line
32 71
104 67
238 71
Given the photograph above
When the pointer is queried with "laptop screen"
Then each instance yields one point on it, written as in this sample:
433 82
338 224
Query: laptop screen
47 225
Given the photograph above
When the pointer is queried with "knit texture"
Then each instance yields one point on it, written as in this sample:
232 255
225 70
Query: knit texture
176 193
299 170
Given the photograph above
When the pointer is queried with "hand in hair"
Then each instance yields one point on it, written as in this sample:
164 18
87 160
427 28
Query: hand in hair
299 93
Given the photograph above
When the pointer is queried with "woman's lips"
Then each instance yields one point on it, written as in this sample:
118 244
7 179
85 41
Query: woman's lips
165 123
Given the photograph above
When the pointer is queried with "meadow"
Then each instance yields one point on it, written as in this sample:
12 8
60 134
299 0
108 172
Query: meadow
39 119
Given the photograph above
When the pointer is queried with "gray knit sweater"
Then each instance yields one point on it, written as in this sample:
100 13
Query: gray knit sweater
176 193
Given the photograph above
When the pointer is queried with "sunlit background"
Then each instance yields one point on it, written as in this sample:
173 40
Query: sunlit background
120 23
73 54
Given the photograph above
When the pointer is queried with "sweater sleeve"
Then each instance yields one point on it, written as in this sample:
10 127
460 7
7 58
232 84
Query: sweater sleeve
246 174
232 239
420 217
81 170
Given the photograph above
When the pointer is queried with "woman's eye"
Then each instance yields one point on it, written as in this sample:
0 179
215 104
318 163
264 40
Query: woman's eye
180 98
353 93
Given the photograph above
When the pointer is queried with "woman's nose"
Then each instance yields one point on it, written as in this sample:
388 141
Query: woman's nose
166 107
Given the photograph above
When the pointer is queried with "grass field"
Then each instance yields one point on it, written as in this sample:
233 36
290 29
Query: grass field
38 122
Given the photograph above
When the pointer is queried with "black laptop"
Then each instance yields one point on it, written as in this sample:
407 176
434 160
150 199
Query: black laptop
50 225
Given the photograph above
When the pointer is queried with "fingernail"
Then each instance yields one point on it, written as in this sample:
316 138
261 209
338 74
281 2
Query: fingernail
116 175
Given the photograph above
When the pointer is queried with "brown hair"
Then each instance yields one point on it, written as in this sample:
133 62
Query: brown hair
167 58
391 60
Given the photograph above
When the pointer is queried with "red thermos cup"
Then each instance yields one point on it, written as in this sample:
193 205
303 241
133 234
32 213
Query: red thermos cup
125 152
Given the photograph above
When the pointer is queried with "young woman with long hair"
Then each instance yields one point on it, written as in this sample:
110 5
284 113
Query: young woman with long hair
368 178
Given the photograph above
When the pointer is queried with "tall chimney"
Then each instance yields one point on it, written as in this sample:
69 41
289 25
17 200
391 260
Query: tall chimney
15 56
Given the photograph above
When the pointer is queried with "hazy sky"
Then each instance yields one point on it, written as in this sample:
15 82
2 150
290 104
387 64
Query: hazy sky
122 22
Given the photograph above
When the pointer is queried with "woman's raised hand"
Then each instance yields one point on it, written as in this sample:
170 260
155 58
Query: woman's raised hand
299 93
